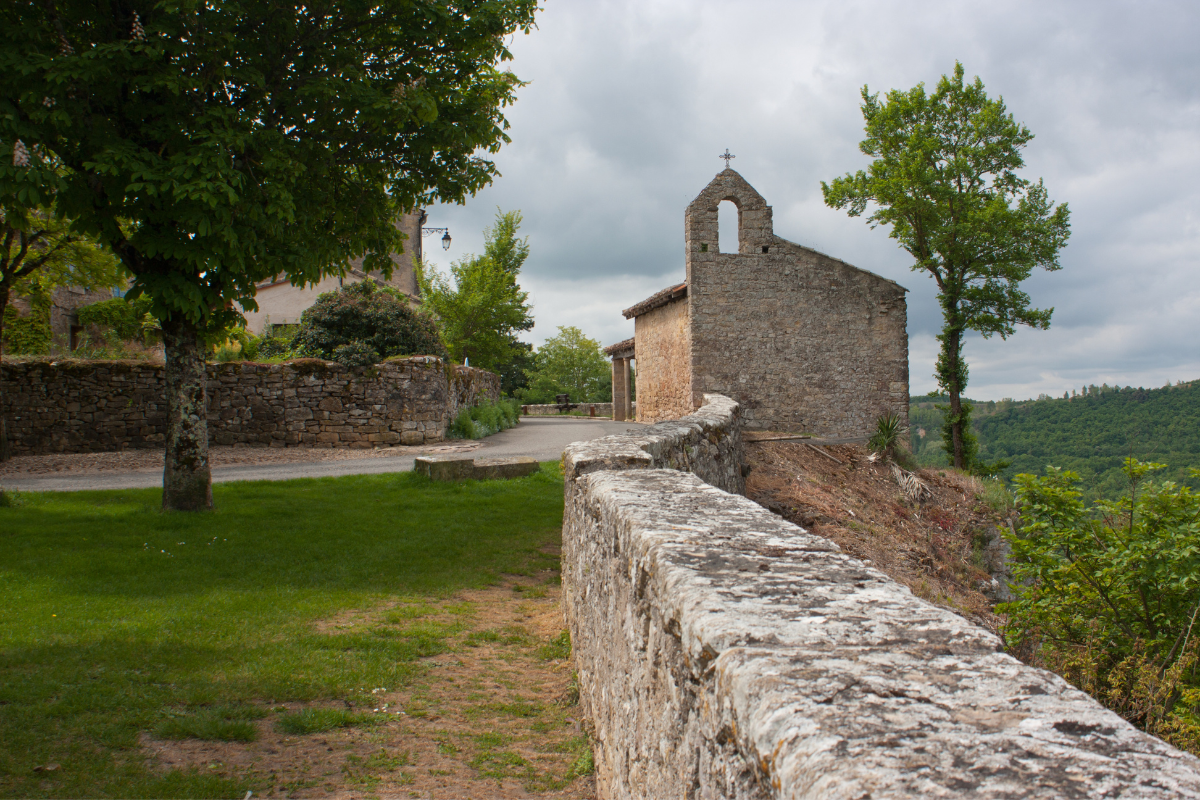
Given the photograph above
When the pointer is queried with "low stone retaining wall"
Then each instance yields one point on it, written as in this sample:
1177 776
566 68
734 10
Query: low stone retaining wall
87 406
551 410
726 653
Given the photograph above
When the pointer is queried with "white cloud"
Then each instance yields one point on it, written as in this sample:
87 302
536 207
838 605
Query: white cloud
631 102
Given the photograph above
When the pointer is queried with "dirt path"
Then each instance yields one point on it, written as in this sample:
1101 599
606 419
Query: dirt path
494 717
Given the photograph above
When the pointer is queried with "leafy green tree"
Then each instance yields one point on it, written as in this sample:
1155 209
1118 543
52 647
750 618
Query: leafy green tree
363 323
570 363
127 319
1109 596
514 376
39 252
944 178
245 141
481 312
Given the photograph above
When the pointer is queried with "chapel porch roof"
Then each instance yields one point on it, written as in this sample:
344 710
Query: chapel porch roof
670 294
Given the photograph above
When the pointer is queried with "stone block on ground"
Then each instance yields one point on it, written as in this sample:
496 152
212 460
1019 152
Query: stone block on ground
459 468
516 467
445 468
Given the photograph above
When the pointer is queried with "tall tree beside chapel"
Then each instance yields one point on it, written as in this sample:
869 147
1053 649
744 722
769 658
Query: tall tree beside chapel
944 178
245 141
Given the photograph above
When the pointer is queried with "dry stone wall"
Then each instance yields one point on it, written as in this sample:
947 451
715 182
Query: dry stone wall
86 406
552 410
726 653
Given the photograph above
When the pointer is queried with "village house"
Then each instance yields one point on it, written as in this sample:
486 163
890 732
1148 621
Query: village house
281 302
804 342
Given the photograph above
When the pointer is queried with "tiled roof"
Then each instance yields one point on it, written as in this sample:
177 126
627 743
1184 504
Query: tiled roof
620 348
654 301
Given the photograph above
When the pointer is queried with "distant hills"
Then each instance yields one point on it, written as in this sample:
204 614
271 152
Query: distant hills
1090 433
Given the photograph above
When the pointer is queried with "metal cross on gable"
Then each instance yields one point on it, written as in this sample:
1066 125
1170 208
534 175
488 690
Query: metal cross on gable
727 155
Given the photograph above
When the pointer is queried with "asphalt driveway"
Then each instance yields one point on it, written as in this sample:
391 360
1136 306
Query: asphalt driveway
543 438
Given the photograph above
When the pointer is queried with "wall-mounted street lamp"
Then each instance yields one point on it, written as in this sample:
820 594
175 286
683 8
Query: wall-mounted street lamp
445 239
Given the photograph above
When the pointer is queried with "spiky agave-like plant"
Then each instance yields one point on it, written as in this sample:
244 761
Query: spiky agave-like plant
889 432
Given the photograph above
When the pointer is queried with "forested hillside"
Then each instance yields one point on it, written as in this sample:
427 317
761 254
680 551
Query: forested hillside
1090 433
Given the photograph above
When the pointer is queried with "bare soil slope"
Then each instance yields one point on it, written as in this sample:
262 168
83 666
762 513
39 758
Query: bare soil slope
943 549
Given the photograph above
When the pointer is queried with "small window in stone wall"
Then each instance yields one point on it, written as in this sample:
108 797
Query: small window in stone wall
704 247
765 248
727 227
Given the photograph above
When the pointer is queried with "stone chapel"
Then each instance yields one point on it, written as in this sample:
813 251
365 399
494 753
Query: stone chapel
805 342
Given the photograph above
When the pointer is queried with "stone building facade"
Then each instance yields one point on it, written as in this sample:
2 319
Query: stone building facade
804 342
281 302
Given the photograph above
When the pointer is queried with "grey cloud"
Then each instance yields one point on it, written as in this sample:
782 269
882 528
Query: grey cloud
631 102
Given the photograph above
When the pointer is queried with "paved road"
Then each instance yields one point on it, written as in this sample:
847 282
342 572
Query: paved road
542 438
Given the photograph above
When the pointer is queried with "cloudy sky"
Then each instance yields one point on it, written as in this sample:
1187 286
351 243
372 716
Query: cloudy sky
631 101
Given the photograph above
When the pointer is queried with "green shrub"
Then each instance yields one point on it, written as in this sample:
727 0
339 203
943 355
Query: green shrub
1108 596
367 314
274 346
995 495
463 427
128 318
889 433
485 418
237 344
356 354
29 334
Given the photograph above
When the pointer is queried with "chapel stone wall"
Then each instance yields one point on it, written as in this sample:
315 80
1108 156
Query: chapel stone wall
804 342
663 356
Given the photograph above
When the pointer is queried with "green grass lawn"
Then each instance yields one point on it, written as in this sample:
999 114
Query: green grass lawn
119 619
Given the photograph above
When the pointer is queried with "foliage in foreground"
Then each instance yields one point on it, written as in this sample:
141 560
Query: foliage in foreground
364 323
944 178
485 419
121 619
572 364
1108 596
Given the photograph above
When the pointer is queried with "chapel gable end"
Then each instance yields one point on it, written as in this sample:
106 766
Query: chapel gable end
755 228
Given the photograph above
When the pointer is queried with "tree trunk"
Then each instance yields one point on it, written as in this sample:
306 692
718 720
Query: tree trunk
953 356
952 378
5 450
187 478
956 428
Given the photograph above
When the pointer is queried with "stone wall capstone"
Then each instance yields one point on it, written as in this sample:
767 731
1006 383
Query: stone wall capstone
724 652
707 443
87 406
